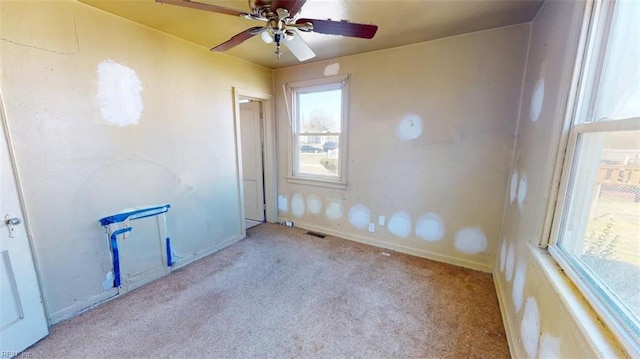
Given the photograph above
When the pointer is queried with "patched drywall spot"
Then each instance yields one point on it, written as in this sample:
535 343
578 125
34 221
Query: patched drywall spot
108 281
400 224
314 204
513 193
511 254
519 279
537 100
522 191
530 327
430 227
118 95
283 204
359 216
334 209
297 205
549 347
503 254
409 128
470 241
332 69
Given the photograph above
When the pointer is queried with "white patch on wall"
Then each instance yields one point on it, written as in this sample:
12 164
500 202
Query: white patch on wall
359 216
537 100
530 327
517 291
503 254
513 193
522 192
283 204
470 241
400 224
334 209
430 227
297 205
549 347
511 254
314 204
108 281
409 128
332 69
119 93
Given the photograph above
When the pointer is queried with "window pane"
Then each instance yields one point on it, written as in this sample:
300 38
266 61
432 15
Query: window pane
319 111
602 228
619 93
318 155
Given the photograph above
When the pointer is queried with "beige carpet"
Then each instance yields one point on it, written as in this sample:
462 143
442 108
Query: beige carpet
283 294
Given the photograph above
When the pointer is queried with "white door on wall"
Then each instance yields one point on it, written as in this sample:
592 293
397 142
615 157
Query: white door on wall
251 138
22 318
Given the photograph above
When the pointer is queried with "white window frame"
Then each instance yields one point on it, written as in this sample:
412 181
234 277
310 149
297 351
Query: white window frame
583 109
291 91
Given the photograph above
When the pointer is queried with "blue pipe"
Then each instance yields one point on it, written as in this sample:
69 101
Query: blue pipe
168 243
116 259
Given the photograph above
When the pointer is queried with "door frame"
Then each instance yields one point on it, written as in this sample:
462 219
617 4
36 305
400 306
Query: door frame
269 167
21 199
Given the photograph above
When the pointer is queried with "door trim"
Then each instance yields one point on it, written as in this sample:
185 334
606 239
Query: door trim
25 212
269 156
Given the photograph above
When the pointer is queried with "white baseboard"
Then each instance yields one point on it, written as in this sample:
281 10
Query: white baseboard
81 307
398 248
111 293
205 252
506 319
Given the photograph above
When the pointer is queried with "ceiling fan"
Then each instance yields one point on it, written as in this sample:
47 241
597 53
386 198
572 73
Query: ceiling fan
281 25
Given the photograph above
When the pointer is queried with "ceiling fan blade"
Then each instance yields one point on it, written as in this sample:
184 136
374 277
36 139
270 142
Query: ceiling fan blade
238 39
299 47
343 28
293 6
201 6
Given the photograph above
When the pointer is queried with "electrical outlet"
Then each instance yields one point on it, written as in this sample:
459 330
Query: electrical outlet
372 227
381 220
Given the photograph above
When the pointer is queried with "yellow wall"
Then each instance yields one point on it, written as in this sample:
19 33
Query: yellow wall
466 91
543 314
76 167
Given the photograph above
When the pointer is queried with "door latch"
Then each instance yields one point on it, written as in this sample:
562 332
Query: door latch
11 222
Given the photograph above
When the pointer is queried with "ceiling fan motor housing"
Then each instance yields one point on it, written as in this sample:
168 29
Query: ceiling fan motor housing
280 21
254 4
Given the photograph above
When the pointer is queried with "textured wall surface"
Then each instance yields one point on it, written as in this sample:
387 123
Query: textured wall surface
107 115
431 130
543 315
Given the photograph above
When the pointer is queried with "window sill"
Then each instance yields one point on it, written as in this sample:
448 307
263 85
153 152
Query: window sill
601 339
317 182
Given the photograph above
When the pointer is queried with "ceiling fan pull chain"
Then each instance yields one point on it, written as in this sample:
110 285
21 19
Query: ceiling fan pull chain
277 37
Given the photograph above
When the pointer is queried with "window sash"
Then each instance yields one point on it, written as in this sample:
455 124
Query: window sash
605 125
339 82
622 323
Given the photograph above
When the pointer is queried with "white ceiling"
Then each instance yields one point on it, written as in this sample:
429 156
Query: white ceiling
400 22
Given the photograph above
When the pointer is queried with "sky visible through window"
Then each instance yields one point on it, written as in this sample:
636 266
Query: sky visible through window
320 111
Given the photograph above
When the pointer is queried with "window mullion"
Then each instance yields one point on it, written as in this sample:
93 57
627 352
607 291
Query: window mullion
627 124
318 134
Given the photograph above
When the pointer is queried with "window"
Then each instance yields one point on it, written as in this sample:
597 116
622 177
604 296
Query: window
597 224
319 131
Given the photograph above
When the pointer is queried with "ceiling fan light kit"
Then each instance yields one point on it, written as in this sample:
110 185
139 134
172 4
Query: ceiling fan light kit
280 21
